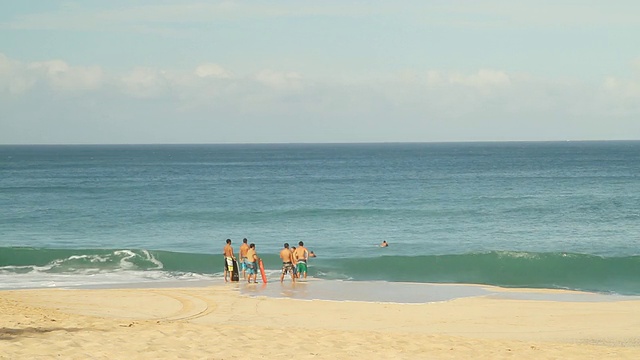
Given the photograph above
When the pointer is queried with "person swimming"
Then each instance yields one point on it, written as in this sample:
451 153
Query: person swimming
384 243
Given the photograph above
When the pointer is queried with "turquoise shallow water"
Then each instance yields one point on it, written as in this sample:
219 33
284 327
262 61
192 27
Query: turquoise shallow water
557 215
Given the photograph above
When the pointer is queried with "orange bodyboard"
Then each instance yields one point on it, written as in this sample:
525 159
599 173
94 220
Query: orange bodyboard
264 276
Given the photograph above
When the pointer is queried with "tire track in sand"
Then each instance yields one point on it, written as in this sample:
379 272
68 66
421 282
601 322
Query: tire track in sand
192 306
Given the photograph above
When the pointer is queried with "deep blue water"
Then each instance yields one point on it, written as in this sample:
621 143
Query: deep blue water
533 214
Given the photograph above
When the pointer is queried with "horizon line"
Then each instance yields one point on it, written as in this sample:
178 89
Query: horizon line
323 143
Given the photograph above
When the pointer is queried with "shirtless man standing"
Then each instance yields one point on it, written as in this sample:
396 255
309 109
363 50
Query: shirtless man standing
252 263
228 259
301 255
287 263
295 264
243 256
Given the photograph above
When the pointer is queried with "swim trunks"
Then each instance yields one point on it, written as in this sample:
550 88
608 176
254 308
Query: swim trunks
287 267
243 265
228 263
252 267
302 266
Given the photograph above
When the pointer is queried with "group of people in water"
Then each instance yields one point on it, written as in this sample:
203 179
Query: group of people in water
294 261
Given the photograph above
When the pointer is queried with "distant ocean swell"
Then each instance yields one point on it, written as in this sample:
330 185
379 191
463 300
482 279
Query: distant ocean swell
509 269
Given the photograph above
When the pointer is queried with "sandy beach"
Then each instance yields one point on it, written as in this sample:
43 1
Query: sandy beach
218 322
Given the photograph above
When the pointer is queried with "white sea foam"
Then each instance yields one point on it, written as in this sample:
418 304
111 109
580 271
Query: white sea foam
92 278
124 262
150 257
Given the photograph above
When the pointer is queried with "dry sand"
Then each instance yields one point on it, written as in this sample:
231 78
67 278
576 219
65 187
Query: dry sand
218 323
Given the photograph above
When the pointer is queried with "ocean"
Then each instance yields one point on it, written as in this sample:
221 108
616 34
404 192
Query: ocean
560 215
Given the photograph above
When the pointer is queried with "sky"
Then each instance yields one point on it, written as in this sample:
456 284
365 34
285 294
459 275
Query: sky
164 72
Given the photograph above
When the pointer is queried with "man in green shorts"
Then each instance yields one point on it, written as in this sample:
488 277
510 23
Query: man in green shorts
301 255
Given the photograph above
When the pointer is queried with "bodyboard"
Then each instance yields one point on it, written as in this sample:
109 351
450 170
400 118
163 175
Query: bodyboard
234 272
264 276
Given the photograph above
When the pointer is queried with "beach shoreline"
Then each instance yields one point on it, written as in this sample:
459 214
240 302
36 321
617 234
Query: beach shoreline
229 321
360 291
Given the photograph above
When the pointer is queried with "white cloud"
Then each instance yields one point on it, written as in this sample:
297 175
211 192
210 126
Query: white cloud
13 77
18 78
209 104
144 82
205 82
625 89
482 79
212 70
280 80
5 65
62 76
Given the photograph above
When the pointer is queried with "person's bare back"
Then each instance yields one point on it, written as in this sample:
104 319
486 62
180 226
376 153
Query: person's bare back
286 255
287 263
243 250
301 253
228 251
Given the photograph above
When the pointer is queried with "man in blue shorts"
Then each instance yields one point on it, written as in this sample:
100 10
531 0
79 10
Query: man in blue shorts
243 256
252 263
